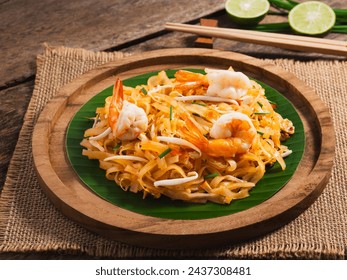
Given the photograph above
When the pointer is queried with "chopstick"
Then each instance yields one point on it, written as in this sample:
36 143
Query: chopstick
292 42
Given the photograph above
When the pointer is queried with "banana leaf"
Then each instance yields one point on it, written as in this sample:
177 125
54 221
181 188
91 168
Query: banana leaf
94 177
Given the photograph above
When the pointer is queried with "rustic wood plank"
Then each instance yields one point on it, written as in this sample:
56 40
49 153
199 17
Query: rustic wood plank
26 25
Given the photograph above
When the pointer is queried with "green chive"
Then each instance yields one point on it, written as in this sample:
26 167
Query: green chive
163 154
212 175
277 13
261 105
341 15
273 27
282 27
144 91
171 113
197 103
339 28
293 2
287 5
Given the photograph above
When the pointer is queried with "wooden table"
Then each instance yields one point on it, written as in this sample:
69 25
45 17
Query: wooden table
122 25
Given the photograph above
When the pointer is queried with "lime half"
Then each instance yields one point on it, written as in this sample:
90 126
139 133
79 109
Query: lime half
247 12
312 18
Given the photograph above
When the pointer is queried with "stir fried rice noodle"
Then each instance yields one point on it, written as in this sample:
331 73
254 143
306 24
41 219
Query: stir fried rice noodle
194 137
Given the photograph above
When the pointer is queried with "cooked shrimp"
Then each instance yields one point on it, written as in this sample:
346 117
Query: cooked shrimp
125 119
227 83
233 134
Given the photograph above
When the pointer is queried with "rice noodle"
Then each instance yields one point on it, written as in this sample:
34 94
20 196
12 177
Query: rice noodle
158 88
101 135
96 145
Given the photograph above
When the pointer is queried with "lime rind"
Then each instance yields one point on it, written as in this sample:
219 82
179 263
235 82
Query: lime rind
312 18
247 12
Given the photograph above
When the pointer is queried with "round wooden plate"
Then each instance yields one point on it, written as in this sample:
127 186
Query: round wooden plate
79 203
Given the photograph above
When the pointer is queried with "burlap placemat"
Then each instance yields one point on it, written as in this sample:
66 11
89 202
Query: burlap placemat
30 223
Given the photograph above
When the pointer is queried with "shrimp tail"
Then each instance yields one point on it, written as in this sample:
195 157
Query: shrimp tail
116 103
187 76
118 95
190 81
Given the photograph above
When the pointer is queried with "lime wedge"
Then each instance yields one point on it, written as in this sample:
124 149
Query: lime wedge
247 12
311 18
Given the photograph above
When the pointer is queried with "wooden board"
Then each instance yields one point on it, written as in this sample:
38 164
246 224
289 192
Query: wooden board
77 202
79 25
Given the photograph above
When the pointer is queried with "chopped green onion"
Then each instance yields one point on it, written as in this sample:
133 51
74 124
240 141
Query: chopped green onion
144 91
163 154
115 148
212 175
261 105
260 133
171 113
261 113
197 103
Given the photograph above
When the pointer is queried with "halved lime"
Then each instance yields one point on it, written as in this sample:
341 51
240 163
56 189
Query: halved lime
312 18
247 12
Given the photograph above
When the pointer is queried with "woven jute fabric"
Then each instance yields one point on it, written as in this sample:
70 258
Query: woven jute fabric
30 223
